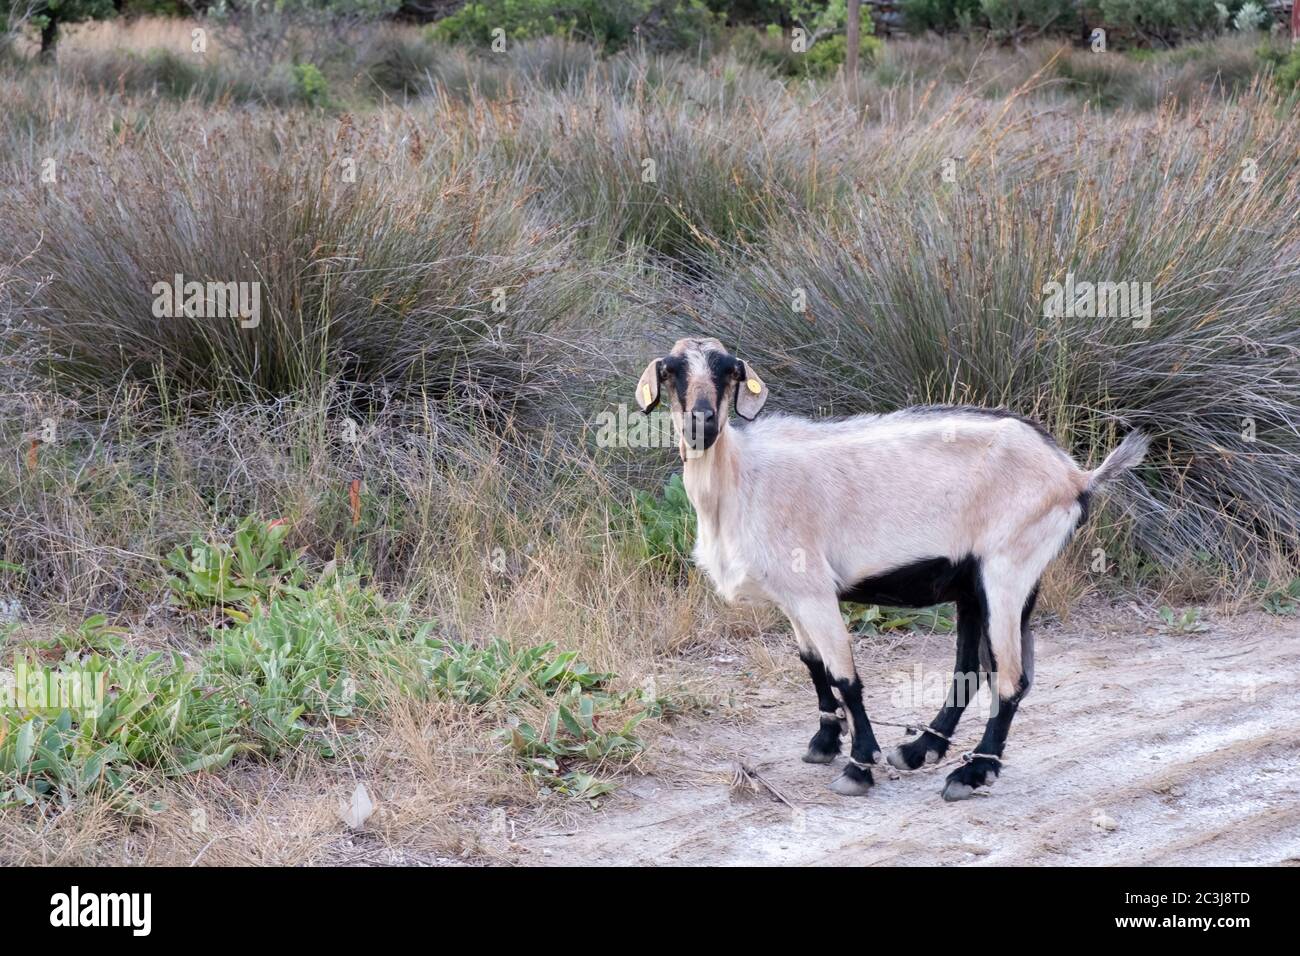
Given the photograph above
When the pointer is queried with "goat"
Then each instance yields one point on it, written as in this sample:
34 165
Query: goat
914 508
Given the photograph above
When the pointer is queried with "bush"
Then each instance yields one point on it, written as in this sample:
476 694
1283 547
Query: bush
397 64
826 56
1251 16
1288 71
823 58
262 35
310 83
939 15
1163 20
1017 18
656 24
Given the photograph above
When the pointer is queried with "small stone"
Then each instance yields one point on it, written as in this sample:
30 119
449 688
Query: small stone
1102 821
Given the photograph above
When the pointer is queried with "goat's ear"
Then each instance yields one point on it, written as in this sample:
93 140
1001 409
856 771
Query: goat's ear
647 389
751 393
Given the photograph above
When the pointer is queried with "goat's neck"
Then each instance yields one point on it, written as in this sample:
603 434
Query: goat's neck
710 482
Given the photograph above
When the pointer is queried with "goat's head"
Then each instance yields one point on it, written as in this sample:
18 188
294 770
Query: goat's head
700 379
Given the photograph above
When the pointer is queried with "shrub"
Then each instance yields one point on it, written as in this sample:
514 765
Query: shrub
1288 71
261 35
939 15
1163 20
1251 16
397 64
310 83
657 24
1016 18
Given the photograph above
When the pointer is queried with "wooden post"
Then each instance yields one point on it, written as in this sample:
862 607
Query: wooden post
1295 22
851 55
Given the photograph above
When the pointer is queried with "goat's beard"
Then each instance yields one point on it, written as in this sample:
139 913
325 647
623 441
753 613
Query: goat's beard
692 446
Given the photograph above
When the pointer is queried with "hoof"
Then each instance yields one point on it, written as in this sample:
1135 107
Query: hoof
918 752
954 790
853 782
825 744
967 778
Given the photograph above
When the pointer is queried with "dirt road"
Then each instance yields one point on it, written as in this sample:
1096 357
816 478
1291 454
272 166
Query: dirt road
1136 746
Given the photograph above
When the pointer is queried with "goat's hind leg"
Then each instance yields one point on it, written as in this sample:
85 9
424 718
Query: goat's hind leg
825 744
1013 658
972 619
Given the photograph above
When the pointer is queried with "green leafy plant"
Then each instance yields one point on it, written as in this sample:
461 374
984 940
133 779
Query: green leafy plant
287 671
94 634
872 619
666 523
1284 600
310 83
151 715
253 567
827 55
572 733
1187 622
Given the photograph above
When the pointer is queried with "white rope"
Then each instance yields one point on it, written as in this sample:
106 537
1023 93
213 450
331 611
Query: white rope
970 755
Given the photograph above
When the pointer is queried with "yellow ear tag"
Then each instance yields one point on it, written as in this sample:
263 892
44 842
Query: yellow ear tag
753 386
645 394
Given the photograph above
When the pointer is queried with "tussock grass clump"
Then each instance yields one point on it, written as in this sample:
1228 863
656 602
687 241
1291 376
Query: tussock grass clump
675 166
938 294
384 265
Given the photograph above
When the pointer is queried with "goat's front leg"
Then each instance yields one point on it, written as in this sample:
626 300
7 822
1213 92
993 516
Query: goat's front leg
820 621
825 744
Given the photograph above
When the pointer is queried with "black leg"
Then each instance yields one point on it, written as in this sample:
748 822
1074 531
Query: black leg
985 764
826 742
972 619
856 778
981 770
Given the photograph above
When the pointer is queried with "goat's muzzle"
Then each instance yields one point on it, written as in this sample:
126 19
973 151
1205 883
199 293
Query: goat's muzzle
700 428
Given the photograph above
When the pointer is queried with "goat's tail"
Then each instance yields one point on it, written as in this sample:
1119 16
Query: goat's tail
1129 454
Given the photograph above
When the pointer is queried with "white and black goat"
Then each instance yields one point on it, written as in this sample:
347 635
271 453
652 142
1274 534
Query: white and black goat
914 508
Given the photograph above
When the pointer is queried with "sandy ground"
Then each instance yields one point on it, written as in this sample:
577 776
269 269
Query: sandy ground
1135 746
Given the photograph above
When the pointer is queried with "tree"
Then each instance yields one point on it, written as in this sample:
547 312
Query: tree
48 15
851 57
